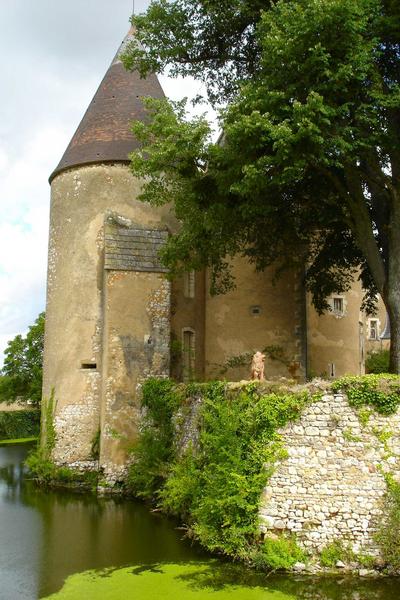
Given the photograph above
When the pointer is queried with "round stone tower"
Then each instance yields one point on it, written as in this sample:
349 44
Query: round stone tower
108 301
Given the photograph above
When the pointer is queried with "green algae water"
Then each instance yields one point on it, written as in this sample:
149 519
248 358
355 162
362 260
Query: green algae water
65 546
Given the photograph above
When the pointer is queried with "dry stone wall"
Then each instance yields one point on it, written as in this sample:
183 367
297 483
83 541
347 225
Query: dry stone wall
332 483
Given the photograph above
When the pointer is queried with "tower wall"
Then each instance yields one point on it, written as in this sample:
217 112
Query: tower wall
91 318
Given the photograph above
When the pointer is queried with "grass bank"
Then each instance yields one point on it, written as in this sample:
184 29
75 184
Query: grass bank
18 441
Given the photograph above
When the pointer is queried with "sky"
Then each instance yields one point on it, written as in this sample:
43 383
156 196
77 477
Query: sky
53 55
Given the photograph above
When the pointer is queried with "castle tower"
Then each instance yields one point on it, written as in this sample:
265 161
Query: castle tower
108 300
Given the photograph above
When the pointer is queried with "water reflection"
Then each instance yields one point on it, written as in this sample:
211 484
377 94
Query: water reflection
46 536
20 531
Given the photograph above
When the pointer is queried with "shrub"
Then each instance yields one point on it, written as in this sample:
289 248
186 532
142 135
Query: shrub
280 553
388 534
19 424
377 361
46 472
334 552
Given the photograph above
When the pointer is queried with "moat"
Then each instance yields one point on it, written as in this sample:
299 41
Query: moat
56 544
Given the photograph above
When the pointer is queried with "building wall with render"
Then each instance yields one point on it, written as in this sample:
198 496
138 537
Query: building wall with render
259 312
96 317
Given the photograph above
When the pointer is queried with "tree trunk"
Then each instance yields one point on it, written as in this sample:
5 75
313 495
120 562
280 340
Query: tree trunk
391 298
393 309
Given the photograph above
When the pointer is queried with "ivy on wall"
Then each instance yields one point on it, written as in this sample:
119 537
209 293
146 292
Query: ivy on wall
381 392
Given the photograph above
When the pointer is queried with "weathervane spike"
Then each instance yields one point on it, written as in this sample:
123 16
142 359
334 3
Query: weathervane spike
133 8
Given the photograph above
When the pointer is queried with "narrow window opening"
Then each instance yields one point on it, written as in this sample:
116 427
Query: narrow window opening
189 284
332 370
188 354
255 311
88 365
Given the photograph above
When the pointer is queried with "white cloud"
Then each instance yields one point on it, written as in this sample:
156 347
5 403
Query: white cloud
53 56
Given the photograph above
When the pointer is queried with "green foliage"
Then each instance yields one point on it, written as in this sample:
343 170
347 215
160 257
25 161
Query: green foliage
213 41
349 435
39 461
388 534
382 392
334 552
154 450
46 472
280 553
18 441
310 148
19 424
377 361
364 415
215 483
21 375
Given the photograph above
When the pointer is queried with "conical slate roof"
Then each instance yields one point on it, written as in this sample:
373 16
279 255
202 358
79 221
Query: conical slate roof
104 135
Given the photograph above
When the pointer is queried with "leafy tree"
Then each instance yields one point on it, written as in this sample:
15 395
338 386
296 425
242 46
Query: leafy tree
22 370
308 171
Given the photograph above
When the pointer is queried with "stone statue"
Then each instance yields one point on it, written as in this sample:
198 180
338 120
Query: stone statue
257 366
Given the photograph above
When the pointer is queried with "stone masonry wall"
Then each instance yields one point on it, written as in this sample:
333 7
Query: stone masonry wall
332 484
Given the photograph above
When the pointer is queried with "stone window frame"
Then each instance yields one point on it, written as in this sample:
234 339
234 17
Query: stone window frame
377 329
338 314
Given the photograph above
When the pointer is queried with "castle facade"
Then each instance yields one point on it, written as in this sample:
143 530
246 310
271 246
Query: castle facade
113 318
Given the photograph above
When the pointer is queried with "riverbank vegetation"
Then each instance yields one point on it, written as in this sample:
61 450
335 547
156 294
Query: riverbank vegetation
214 479
42 466
206 452
18 441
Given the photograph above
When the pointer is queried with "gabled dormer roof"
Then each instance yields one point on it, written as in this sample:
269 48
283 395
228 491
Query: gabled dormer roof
104 135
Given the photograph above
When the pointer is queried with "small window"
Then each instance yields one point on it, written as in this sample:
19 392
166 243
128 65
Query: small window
189 284
88 365
373 329
188 354
332 370
255 311
338 305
